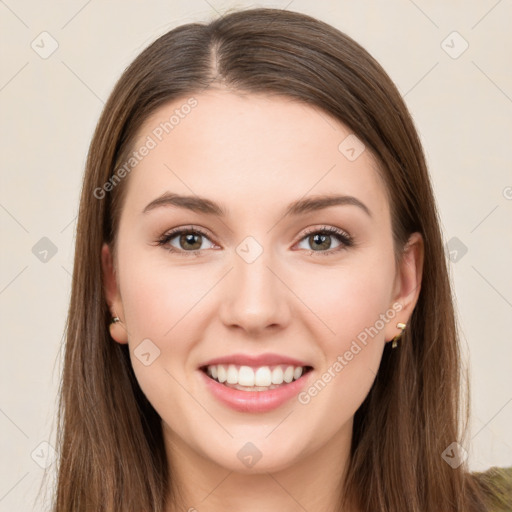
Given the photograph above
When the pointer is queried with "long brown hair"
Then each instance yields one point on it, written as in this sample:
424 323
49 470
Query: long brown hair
112 454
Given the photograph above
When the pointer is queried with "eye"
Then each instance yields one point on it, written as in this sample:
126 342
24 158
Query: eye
189 240
185 240
321 240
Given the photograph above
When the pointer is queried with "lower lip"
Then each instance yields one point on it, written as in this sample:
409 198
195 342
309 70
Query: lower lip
254 401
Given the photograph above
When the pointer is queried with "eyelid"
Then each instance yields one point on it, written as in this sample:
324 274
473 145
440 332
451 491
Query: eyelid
325 228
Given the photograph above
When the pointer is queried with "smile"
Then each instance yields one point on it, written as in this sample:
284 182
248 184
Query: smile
262 378
254 388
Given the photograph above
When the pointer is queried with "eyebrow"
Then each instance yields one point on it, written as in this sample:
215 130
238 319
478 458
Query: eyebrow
202 205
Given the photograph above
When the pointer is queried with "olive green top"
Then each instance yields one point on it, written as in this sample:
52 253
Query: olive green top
497 486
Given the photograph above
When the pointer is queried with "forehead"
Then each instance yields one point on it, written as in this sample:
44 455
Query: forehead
249 149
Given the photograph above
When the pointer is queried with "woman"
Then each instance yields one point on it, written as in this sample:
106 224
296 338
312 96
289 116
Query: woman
261 316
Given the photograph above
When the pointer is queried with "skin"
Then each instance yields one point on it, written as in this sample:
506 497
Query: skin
254 155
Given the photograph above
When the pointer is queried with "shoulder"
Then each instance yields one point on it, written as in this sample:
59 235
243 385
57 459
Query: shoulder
496 484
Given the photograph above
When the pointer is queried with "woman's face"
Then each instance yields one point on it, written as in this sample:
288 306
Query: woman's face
268 274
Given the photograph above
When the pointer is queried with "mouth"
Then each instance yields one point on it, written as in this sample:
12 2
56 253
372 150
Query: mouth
254 383
255 378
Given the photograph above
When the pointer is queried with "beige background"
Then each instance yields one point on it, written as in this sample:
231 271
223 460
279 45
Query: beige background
49 106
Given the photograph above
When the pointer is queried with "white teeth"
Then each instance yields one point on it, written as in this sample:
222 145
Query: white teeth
261 377
277 375
232 375
221 373
288 374
245 376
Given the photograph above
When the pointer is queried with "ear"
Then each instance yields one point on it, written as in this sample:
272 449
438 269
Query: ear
407 283
112 295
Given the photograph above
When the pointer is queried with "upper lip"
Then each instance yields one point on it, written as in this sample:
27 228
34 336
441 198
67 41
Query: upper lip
255 360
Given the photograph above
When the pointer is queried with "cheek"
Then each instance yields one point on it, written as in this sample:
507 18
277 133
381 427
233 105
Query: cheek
159 303
162 306
159 299
348 300
354 305
350 356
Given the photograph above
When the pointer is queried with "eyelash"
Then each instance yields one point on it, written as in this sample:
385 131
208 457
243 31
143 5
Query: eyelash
343 237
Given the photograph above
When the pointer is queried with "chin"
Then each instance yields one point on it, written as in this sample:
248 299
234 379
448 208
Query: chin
254 457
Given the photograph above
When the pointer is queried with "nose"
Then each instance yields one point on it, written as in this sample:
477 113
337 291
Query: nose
255 298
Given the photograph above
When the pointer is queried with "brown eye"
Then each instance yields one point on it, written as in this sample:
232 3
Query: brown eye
321 240
185 240
190 241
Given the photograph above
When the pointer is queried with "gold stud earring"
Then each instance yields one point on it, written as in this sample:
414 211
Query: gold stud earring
401 326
